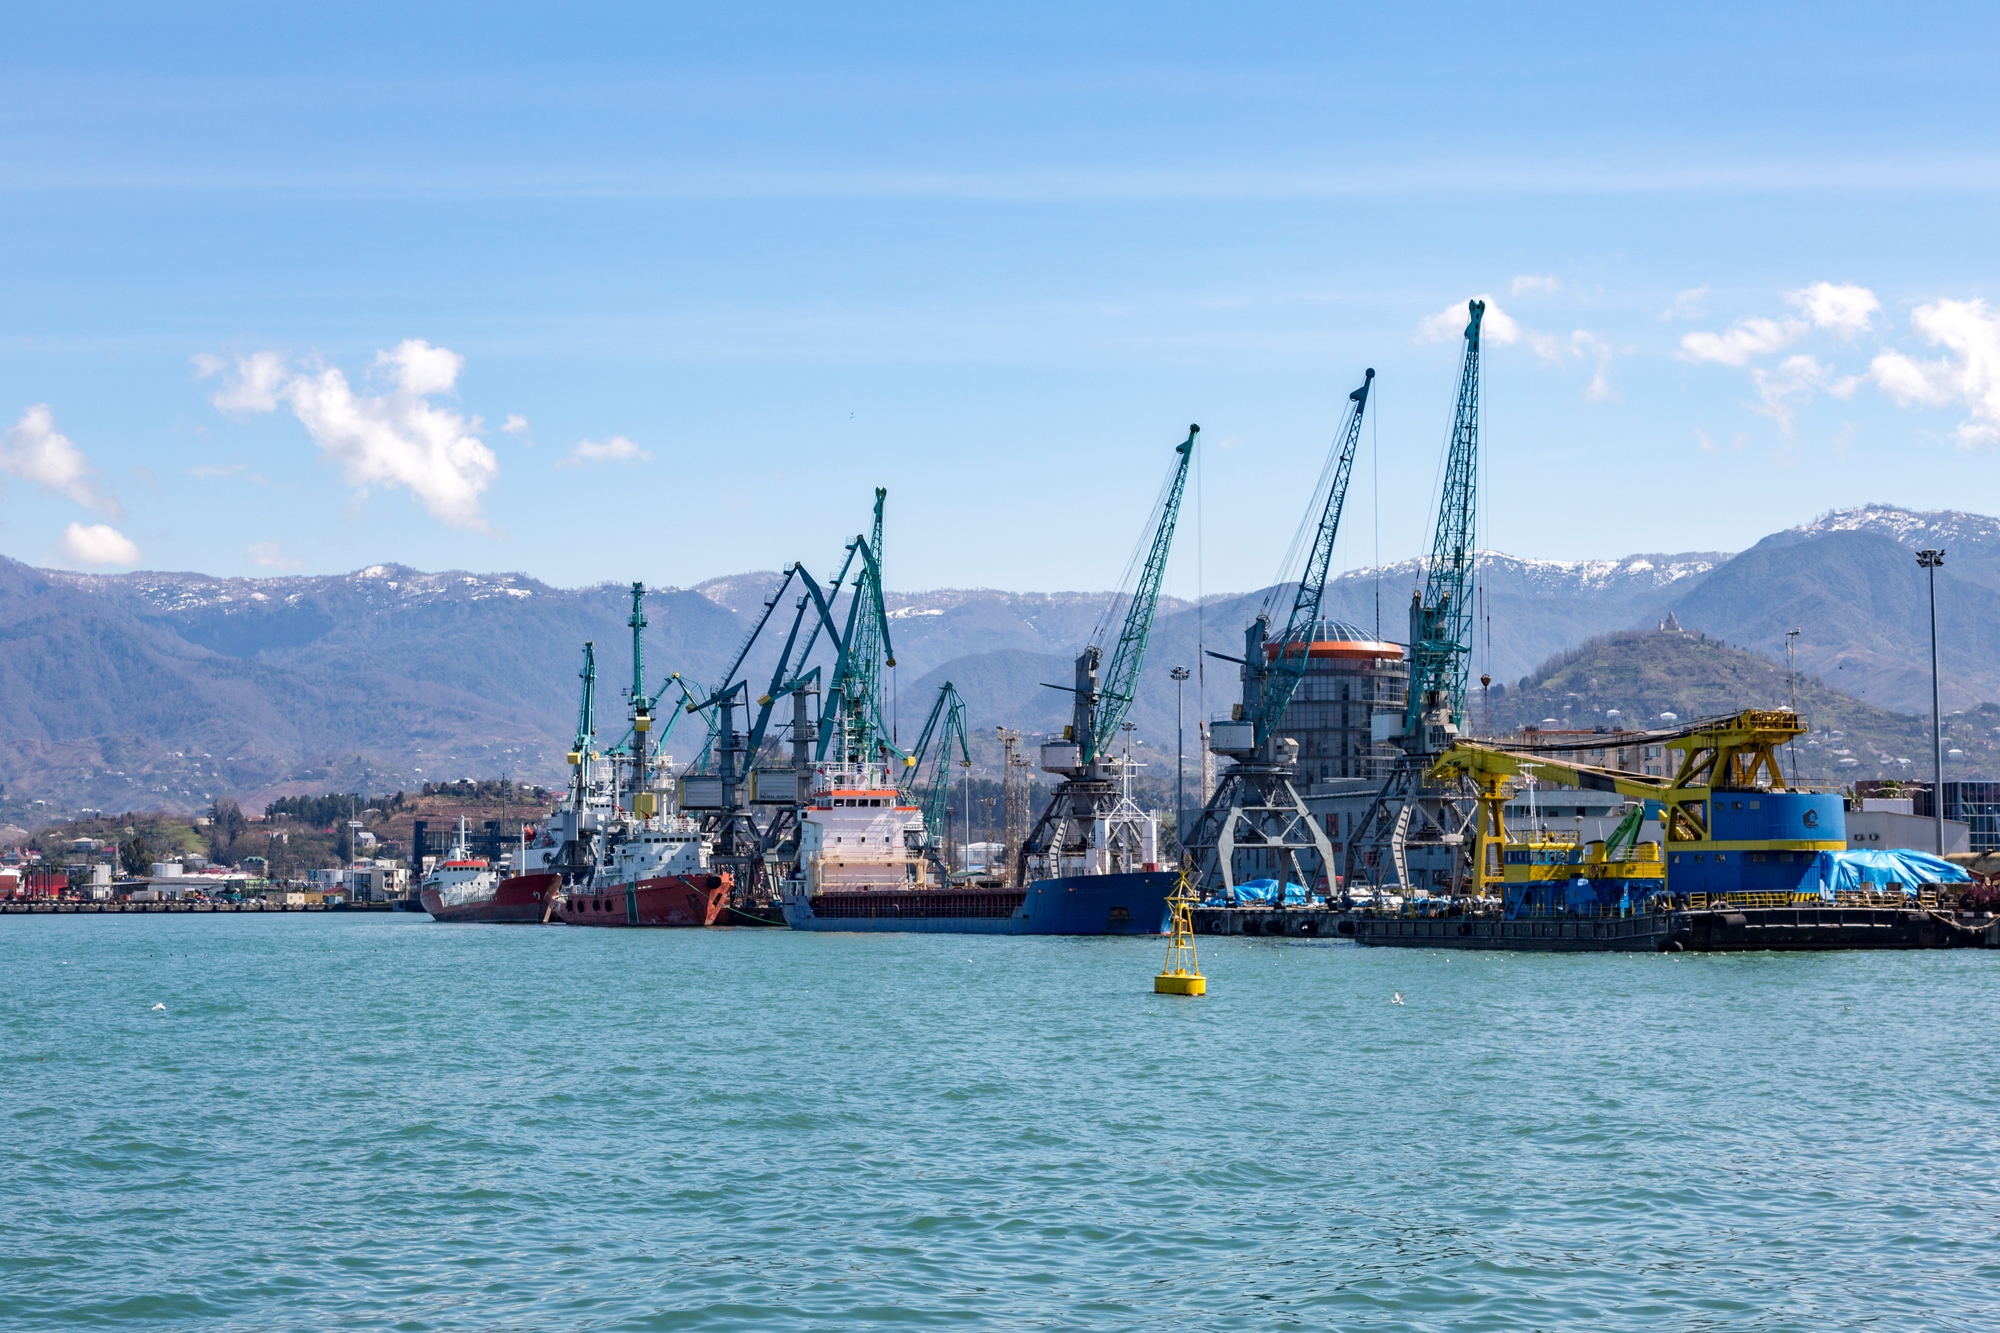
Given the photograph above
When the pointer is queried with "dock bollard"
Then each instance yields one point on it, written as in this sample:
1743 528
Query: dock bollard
1181 975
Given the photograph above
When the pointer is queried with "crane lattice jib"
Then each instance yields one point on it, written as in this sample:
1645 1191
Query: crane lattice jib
638 626
1733 753
1441 622
1122 679
945 725
1295 644
586 713
853 694
861 693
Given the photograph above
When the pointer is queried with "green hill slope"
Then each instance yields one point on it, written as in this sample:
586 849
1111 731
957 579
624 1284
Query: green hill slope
1630 679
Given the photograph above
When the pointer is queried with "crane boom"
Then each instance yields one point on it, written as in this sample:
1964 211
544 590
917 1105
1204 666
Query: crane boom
1122 678
1441 615
853 693
1289 667
586 713
945 725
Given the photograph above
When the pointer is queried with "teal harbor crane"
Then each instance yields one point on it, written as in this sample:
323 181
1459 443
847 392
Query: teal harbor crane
728 800
586 713
1090 826
576 857
855 733
1255 821
1415 832
931 789
1441 615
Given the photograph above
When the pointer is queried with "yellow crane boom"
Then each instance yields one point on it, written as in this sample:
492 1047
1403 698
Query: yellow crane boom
1733 753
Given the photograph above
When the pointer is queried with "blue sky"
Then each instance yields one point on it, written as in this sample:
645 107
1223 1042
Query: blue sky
276 285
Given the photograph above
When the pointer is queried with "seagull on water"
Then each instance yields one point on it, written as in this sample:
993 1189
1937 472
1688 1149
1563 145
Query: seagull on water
1397 998
162 1006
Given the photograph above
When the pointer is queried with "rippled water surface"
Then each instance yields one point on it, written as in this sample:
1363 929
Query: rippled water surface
361 1122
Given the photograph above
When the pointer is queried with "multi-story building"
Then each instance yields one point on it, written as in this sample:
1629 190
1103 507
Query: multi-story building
1350 676
1974 804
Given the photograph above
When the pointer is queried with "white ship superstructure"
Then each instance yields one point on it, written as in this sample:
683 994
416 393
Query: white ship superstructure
462 878
651 848
857 832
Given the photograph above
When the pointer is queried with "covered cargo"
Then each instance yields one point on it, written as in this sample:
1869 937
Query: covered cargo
1833 873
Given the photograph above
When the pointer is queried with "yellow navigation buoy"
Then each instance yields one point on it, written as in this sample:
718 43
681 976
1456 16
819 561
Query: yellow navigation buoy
1182 975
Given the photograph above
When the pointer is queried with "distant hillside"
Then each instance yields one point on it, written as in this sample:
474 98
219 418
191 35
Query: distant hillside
1630 679
168 689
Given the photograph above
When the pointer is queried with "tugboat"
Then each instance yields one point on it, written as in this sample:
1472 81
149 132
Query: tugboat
464 887
651 868
657 872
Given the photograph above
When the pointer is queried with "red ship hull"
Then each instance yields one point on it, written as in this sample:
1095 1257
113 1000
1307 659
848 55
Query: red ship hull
523 899
671 900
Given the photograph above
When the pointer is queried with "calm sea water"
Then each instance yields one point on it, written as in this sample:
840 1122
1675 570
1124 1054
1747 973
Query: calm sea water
374 1122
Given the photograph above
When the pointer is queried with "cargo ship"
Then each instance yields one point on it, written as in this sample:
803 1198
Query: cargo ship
863 867
465 888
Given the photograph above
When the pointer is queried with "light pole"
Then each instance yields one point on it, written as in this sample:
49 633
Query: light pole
1180 675
1930 560
1792 666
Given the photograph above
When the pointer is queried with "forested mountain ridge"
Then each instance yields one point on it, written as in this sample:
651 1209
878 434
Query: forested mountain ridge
169 689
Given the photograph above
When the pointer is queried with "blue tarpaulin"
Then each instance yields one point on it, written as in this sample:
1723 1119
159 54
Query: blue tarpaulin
1873 872
1264 893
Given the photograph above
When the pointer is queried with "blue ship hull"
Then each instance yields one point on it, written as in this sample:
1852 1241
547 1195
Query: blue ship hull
1130 904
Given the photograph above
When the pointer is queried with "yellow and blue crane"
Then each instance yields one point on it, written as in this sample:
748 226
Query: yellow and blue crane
1734 829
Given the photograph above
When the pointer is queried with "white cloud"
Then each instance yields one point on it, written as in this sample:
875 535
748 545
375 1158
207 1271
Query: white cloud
515 424
1794 380
1969 373
98 544
1495 326
1690 304
260 378
34 450
1587 344
1701 438
617 449
1845 310
1533 282
270 555
1580 345
1744 339
395 438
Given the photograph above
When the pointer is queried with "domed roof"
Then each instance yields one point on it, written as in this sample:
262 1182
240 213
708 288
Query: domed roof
1329 630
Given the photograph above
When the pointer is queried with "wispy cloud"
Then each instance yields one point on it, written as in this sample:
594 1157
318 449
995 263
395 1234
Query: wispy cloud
1690 304
98 544
1533 282
34 450
1794 380
269 555
617 449
1843 310
1744 339
1968 374
516 424
396 438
